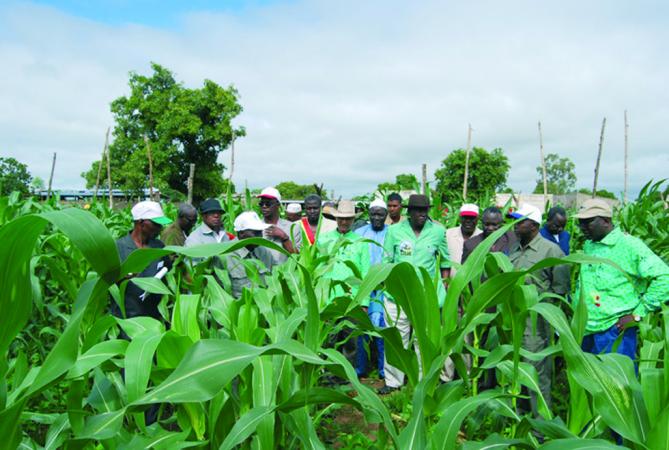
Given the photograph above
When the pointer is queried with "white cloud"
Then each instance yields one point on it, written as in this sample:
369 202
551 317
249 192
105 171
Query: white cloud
352 93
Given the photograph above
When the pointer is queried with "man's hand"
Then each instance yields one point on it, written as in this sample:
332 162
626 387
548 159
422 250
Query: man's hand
277 233
624 320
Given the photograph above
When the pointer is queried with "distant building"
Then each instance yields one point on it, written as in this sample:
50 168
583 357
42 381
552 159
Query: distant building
573 200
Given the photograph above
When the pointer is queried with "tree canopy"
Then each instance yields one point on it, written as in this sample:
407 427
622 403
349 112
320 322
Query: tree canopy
183 126
14 176
488 172
560 175
292 191
403 182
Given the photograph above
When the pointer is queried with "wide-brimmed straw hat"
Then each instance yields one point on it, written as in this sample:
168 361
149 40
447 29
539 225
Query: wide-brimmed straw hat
345 210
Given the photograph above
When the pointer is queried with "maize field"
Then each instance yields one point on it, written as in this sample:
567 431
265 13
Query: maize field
250 373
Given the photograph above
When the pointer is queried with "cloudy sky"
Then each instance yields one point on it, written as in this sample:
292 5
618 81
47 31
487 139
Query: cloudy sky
351 93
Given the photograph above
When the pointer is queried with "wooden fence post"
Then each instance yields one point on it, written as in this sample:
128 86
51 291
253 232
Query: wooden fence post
469 145
543 163
53 167
102 160
599 158
191 179
109 180
148 154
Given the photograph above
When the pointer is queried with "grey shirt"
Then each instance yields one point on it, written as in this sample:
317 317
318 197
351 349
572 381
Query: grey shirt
234 265
291 229
205 235
553 279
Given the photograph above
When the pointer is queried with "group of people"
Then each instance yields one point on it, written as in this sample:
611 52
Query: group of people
615 299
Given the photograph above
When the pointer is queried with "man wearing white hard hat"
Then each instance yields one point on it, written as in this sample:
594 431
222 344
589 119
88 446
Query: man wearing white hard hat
247 225
531 248
375 231
148 220
280 231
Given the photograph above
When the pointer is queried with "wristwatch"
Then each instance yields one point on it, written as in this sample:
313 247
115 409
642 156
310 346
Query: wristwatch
637 318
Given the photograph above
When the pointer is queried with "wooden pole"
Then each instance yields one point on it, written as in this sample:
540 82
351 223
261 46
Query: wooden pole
191 179
469 146
109 181
232 157
53 167
148 155
599 158
424 179
627 127
102 160
543 163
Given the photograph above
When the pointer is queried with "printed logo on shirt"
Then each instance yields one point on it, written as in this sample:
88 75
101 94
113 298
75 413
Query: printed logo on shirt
406 248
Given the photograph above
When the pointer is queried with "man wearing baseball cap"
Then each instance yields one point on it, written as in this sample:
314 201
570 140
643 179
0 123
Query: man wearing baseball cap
148 220
247 225
211 231
457 236
531 248
281 231
616 300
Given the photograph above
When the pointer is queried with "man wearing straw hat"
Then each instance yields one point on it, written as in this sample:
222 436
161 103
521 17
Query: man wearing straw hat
349 250
616 300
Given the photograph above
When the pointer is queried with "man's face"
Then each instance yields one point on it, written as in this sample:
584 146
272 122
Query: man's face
595 228
187 221
213 219
246 234
293 217
344 224
418 217
394 208
556 224
313 211
377 217
150 229
524 229
491 223
468 224
269 207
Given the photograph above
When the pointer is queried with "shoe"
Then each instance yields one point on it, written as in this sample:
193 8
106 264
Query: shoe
385 390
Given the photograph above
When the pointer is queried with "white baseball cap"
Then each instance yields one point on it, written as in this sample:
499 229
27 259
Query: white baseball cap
270 192
527 211
249 220
148 210
294 208
378 203
469 209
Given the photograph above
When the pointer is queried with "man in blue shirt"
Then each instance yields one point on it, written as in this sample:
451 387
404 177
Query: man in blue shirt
375 231
554 231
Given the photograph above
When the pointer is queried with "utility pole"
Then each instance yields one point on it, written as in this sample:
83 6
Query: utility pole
102 160
424 179
109 183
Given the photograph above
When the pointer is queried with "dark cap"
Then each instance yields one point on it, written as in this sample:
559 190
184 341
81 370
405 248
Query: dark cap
210 205
418 201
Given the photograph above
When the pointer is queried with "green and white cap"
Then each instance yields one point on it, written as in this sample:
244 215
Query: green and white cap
148 210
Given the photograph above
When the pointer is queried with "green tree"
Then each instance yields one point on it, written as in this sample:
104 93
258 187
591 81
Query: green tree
292 191
14 176
600 193
403 182
487 174
560 175
183 126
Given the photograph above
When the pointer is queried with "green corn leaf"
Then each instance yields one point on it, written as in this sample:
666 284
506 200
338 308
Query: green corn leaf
138 359
151 285
245 426
97 355
581 444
